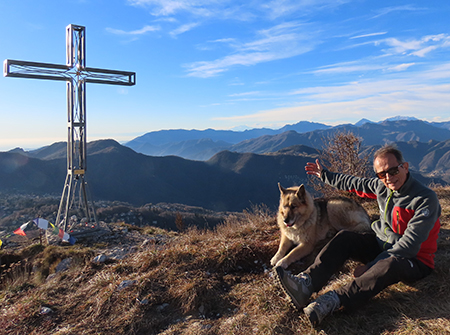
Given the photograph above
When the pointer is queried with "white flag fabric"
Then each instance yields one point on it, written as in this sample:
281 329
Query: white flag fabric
41 223
25 226
66 237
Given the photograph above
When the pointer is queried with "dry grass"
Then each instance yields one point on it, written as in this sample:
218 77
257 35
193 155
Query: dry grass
206 282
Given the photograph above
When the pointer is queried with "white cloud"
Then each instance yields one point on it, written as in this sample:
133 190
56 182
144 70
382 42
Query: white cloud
369 35
356 90
416 47
416 94
400 47
183 28
432 104
401 67
202 8
245 94
237 10
362 66
349 67
392 58
388 10
439 72
279 42
141 31
422 52
205 69
280 8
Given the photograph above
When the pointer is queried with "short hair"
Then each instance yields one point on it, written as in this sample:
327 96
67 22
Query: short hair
389 149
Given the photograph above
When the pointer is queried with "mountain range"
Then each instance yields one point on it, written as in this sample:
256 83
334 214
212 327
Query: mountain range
227 181
203 144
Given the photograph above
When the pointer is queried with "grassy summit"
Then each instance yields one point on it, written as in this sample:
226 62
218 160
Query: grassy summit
201 282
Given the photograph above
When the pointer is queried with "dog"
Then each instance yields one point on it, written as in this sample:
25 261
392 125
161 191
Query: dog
304 221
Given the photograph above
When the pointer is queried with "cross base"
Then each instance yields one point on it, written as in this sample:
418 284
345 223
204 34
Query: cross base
75 199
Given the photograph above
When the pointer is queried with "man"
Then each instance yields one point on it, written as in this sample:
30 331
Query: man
402 248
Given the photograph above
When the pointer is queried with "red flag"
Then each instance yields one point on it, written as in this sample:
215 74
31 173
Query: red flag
61 233
19 231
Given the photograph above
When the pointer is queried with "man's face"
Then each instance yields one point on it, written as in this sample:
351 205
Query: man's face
383 164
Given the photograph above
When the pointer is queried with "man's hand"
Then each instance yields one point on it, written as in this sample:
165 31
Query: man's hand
314 168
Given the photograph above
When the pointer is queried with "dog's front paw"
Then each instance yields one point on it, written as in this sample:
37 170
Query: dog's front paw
283 263
275 259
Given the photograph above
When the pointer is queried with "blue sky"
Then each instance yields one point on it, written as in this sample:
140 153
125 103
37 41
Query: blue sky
226 64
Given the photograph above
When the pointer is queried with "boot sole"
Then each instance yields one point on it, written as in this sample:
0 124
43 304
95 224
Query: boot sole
279 274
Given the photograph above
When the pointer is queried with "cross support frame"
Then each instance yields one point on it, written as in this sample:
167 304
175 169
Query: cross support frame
76 75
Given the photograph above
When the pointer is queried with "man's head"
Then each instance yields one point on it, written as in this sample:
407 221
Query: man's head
390 167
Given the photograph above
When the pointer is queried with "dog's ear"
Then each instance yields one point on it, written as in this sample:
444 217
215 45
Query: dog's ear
282 189
301 191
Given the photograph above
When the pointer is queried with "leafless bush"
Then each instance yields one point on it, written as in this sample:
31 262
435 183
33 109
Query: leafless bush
179 222
341 153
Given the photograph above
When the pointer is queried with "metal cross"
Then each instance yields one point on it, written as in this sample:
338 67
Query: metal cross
76 75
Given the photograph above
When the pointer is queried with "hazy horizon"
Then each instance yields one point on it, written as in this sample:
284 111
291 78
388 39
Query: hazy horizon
227 64
398 117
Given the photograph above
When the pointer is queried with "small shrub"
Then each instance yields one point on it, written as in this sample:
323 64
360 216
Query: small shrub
341 153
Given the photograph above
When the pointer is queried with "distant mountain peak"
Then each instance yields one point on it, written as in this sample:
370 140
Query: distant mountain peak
362 122
402 118
241 128
18 151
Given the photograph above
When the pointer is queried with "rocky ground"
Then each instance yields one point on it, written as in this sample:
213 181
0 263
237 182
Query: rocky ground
121 227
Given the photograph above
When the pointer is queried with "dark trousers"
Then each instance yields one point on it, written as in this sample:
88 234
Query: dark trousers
363 248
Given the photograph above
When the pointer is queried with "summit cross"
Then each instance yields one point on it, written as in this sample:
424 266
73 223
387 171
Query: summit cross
76 75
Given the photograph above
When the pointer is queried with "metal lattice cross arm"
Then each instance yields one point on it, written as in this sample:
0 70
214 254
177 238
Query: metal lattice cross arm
24 69
76 75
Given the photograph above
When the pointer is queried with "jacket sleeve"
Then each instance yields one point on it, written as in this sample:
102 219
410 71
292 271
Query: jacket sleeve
389 237
363 187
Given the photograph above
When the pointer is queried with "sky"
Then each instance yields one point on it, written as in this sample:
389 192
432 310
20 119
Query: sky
227 64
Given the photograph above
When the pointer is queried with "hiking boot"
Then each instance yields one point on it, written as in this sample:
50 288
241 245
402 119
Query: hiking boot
297 288
321 307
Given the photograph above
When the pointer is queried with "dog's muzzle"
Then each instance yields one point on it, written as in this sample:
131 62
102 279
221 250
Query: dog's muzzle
289 222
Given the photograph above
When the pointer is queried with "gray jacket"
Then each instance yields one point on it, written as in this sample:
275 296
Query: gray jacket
409 218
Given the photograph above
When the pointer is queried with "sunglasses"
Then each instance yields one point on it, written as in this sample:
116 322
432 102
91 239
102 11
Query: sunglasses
392 172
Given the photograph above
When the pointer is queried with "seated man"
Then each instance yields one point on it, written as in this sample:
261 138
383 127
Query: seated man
402 248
